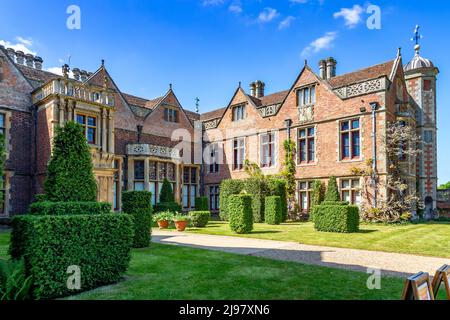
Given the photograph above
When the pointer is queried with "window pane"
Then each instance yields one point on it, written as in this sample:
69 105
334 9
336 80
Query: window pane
91 135
193 175
91 121
193 195
356 145
161 171
346 196
2 120
186 175
160 184
345 126
153 191
139 186
139 170
152 170
302 133
311 132
80 119
306 96
345 184
300 98
357 200
303 150
304 200
345 145
313 94
355 124
311 151
185 196
355 184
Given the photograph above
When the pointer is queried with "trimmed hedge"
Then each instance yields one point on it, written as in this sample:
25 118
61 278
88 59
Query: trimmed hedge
336 218
201 204
48 208
332 193
200 219
167 194
241 214
228 188
99 244
167 206
257 189
138 204
277 187
273 209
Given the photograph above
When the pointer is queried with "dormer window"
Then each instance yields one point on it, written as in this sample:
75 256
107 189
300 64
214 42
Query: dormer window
306 96
170 115
97 96
239 112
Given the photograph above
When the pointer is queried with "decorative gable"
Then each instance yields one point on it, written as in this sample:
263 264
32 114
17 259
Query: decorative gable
362 88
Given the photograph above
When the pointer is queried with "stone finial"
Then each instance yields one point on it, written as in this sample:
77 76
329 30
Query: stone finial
65 70
11 53
20 56
29 59
38 61
76 74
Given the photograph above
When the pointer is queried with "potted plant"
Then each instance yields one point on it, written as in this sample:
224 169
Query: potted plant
163 219
181 221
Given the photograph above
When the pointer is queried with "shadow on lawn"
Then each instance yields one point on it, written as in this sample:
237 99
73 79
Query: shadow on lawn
282 254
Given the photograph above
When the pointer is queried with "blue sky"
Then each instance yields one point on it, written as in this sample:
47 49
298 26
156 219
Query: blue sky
205 47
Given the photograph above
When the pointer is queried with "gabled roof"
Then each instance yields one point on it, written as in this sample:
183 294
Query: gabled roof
211 115
271 99
379 70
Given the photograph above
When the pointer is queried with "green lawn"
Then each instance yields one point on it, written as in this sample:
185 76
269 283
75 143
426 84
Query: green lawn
428 239
171 272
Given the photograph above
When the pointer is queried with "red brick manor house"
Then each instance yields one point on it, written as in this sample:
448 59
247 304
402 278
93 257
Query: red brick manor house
337 121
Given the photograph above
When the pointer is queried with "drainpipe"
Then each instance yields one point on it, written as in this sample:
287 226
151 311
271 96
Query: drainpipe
374 106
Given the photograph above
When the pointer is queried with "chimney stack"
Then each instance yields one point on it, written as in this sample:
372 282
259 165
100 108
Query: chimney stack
260 86
29 58
253 89
76 74
11 53
323 69
20 56
331 67
38 63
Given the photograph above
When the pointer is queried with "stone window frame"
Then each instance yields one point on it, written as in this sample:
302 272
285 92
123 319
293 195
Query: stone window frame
312 98
351 189
235 165
214 195
191 205
235 117
361 140
86 114
297 140
274 143
308 191
215 148
7 174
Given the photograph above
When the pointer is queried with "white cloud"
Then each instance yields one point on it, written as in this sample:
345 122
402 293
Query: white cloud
286 23
324 42
235 8
352 16
21 44
267 15
212 2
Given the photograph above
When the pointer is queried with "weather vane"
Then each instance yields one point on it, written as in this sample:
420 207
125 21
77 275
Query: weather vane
197 105
417 35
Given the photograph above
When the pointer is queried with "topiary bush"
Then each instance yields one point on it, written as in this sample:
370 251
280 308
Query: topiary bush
273 209
167 206
332 194
200 219
241 213
100 245
257 189
138 204
201 204
47 208
277 187
336 218
228 188
167 195
70 174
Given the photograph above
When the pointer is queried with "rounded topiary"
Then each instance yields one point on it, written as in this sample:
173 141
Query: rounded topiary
70 174
227 188
199 219
241 213
139 205
332 194
273 210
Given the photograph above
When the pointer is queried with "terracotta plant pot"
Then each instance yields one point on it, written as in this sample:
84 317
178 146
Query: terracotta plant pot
163 224
181 225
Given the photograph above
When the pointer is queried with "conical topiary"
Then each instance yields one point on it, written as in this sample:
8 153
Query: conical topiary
332 194
166 192
318 193
70 174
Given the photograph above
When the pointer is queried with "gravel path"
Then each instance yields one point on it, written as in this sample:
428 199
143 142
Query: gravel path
393 264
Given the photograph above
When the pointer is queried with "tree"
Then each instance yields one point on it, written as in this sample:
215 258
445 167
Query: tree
332 194
70 174
318 193
166 192
445 186
289 170
2 165
400 143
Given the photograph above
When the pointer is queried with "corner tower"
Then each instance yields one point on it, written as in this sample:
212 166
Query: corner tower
421 76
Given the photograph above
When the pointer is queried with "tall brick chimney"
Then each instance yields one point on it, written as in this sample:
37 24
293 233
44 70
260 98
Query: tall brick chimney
323 69
331 67
260 88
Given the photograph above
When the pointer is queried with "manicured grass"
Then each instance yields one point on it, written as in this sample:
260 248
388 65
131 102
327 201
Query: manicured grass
165 272
427 239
